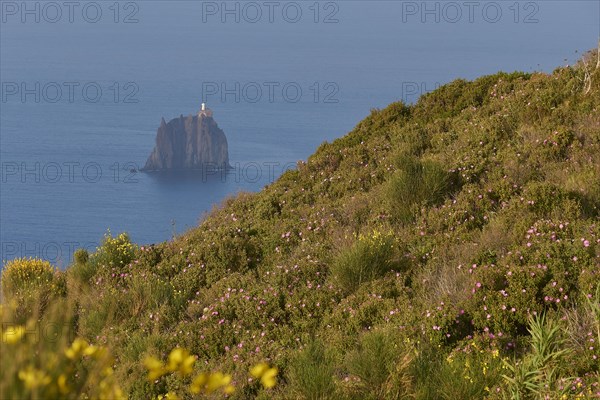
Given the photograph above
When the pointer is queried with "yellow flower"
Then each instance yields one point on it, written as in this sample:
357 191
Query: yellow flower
91 350
107 371
155 368
181 361
229 389
62 384
110 390
258 370
169 396
198 383
205 383
13 334
77 349
34 377
216 381
266 375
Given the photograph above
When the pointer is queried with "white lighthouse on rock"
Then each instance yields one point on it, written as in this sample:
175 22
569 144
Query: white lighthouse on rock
205 111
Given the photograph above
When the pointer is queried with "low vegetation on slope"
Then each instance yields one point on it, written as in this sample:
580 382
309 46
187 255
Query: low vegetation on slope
445 250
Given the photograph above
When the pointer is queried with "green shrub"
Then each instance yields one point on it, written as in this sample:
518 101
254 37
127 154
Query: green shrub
312 371
81 269
31 284
470 372
81 256
415 184
582 330
424 368
115 252
452 98
548 271
377 362
25 274
540 373
370 257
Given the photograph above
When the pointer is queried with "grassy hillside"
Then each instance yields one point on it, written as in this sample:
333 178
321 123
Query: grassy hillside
445 250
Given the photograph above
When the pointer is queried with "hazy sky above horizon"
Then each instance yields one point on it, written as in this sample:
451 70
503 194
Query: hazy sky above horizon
351 40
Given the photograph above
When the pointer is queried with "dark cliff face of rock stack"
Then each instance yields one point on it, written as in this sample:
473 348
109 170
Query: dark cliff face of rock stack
192 142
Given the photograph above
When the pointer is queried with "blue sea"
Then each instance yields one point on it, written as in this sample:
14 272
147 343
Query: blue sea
85 85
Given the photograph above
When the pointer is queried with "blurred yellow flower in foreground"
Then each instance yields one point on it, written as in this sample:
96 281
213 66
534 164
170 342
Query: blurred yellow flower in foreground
13 334
266 374
169 396
34 377
208 383
77 349
181 361
62 384
155 368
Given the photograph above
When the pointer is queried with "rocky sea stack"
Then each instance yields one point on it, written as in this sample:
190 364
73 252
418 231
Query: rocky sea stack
187 143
